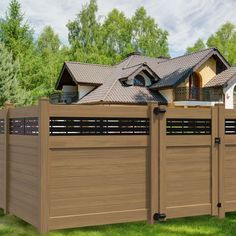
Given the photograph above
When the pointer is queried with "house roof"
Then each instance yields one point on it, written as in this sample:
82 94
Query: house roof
223 78
112 91
88 73
129 95
167 73
176 70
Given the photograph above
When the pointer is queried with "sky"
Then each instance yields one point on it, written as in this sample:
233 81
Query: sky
185 20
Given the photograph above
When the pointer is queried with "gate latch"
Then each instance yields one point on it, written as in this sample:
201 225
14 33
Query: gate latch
217 140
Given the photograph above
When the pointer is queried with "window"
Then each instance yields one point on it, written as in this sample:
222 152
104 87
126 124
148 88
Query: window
194 86
139 81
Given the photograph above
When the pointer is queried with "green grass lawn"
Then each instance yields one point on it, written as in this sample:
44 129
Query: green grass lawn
12 226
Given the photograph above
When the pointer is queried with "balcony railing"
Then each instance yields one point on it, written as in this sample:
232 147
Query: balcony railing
198 94
64 97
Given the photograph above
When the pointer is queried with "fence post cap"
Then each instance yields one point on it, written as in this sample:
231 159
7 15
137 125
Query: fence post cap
8 104
44 99
153 104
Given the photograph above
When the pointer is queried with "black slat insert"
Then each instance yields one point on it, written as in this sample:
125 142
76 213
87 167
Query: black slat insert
24 126
230 126
2 124
188 126
63 126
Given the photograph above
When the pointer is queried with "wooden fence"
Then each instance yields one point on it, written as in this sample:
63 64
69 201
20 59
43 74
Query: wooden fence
64 166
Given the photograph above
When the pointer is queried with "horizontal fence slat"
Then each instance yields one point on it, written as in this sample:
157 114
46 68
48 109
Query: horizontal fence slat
190 141
94 141
24 112
230 113
99 110
191 113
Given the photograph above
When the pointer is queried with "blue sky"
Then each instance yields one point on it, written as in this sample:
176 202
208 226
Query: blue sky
185 20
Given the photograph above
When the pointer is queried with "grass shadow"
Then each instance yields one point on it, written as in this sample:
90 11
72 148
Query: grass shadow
194 226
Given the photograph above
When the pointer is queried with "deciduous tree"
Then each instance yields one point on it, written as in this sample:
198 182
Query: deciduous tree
199 45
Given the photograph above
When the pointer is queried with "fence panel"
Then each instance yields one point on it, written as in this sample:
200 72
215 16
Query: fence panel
2 141
76 165
97 165
23 164
230 161
187 164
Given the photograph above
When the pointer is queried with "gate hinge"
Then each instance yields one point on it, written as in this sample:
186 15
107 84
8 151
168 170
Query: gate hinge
159 217
219 205
217 140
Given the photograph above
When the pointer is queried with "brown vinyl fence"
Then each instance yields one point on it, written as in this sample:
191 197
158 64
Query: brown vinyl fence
64 166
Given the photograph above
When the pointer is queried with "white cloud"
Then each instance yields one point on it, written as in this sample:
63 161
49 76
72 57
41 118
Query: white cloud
186 21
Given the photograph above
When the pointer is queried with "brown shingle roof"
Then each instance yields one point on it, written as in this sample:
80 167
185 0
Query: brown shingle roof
123 94
89 73
176 70
222 78
107 78
139 59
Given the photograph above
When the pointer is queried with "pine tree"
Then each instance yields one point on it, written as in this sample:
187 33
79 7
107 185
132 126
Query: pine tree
8 73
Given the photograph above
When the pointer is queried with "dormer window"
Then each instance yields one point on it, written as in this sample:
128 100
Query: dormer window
139 81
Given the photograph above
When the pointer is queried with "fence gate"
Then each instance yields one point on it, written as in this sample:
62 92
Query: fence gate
229 164
190 162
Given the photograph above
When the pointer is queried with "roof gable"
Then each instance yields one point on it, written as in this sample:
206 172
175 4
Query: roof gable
86 73
130 72
174 71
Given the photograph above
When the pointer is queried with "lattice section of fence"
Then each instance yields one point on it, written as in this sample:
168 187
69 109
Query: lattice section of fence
24 126
188 127
98 126
2 126
230 126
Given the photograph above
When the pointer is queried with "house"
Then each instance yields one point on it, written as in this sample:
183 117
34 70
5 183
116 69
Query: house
202 78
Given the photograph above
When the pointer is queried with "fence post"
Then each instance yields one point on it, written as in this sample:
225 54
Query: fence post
162 162
6 157
221 128
214 160
43 158
153 167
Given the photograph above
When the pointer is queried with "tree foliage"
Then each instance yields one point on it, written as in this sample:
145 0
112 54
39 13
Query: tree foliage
111 40
116 35
15 32
147 37
8 74
199 45
84 30
39 60
224 39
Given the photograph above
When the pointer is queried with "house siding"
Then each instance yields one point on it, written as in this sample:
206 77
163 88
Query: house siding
168 95
207 71
229 96
84 89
